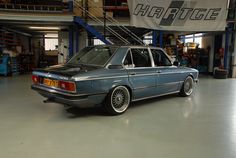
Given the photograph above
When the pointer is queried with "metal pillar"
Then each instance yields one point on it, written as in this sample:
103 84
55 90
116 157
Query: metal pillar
71 41
104 20
233 63
30 44
154 38
226 48
70 6
161 38
77 40
183 38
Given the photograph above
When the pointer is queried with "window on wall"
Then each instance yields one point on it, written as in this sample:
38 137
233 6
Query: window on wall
199 41
147 40
196 38
98 42
51 41
189 38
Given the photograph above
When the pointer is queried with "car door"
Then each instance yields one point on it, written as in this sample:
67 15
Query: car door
167 75
142 75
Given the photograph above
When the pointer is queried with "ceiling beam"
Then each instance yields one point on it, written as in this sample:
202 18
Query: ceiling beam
16 31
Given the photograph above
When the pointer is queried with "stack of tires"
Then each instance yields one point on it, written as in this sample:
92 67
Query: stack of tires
220 74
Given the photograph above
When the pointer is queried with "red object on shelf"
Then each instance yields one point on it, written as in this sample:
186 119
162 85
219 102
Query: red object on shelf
112 8
9 39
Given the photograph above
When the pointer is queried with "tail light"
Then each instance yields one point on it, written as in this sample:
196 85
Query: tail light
63 85
35 79
68 86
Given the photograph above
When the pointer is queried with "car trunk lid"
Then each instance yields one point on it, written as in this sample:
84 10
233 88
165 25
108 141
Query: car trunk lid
66 71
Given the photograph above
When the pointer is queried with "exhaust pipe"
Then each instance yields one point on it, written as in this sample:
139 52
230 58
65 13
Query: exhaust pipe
49 100
68 106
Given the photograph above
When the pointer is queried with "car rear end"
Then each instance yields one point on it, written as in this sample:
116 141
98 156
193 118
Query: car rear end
53 87
59 84
63 90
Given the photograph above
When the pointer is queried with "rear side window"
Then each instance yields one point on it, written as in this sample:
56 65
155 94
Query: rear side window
97 56
128 60
160 59
141 58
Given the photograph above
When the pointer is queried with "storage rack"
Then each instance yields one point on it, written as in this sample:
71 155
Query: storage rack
14 66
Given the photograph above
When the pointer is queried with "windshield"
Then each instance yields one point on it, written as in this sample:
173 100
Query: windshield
97 56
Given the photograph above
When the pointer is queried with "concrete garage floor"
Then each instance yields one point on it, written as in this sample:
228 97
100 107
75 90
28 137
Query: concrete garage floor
201 126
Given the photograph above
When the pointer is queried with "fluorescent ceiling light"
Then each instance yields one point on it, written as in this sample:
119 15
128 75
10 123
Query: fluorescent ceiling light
49 31
51 35
44 28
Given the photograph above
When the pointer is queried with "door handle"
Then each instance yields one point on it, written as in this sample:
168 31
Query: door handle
158 71
132 73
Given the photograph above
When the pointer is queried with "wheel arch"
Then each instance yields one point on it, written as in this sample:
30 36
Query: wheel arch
185 77
130 91
125 85
191 75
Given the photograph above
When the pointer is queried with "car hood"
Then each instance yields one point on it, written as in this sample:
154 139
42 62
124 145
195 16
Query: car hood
67 70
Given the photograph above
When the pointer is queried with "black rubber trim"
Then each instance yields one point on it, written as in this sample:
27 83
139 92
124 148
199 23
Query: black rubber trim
55 94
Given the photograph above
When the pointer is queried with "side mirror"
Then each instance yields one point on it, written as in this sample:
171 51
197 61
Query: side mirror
115 67
176 63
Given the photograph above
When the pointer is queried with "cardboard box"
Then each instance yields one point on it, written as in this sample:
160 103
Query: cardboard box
97 12
95 7
77 10
19 49
109 14
95 3
51 52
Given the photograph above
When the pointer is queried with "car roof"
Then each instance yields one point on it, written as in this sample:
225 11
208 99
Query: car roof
128 46
141 46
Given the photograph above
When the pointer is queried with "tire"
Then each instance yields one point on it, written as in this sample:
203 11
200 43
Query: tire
187 87
117 101
220 74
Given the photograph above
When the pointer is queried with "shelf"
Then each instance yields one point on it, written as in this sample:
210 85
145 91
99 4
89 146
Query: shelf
116 8
8 39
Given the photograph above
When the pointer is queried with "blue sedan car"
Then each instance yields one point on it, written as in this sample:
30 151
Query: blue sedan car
113 77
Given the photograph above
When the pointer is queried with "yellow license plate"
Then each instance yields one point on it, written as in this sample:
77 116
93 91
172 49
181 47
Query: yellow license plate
50 83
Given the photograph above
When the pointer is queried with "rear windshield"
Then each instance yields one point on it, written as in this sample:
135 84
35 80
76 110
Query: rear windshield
97 56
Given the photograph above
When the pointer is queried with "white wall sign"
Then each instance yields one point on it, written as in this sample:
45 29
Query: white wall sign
179 15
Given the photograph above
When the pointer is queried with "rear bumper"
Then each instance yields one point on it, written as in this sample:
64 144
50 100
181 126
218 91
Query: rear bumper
82 101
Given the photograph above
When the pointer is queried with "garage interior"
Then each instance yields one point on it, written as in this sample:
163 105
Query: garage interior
38 33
